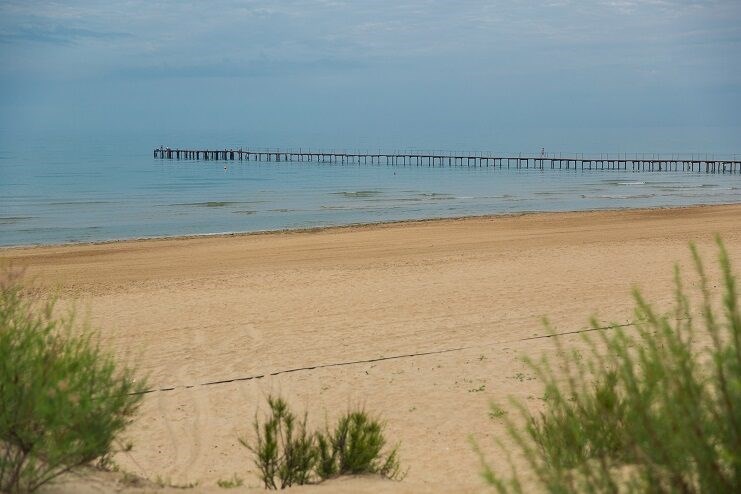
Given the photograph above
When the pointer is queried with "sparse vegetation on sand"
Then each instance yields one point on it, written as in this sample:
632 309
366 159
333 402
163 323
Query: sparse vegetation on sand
287 454
230 483
655 408
63 400
354 447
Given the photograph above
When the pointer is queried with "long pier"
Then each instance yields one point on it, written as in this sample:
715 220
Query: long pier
621 161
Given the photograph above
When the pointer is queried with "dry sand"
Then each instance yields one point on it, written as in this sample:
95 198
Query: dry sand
451 305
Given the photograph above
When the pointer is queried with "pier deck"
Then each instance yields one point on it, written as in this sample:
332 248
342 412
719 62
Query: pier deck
622 161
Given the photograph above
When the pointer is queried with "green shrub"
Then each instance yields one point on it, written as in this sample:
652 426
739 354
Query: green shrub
283 449
648 410
63 400
355 447
287 454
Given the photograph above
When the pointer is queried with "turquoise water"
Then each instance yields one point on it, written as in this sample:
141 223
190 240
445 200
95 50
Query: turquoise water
64 190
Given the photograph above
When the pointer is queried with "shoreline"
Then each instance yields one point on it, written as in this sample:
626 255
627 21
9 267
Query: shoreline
350 226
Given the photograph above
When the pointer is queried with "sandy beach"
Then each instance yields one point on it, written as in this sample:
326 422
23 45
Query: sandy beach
424 323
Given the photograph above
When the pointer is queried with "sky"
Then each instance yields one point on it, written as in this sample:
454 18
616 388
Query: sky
619 75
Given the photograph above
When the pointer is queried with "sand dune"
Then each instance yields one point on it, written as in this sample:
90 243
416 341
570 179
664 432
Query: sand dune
421 322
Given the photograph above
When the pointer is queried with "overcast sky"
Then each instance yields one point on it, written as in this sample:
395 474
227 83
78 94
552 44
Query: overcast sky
445 74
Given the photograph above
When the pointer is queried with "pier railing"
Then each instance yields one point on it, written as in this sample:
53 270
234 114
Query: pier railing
688 162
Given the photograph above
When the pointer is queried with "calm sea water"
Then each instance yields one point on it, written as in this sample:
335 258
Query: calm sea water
60 190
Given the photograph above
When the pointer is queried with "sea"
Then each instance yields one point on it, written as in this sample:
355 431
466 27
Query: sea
76 189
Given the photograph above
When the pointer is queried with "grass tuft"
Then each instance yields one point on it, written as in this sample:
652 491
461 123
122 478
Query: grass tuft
355 446
284 451
286 454
230 483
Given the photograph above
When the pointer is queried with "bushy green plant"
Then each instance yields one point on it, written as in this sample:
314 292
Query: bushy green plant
283 448
63 400
354 447
287 454
650 409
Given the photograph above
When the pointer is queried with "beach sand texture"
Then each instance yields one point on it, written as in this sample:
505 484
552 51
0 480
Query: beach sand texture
436 314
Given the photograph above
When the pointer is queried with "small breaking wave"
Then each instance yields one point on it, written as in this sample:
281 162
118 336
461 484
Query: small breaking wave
12 220
357 194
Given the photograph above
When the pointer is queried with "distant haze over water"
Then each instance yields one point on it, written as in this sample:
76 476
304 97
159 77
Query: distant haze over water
60 189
